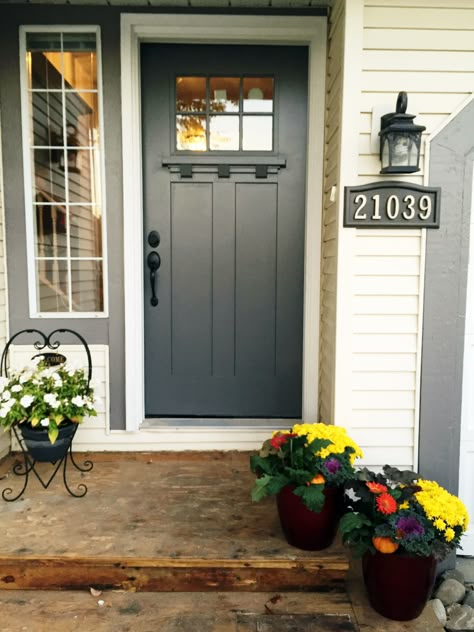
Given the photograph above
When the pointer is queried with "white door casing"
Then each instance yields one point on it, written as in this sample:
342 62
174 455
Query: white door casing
135 28
466 455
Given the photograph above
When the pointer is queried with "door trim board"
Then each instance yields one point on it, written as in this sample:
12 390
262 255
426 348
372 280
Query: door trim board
136 28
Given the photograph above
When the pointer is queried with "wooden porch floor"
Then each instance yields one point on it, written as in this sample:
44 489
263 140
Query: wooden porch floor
183 526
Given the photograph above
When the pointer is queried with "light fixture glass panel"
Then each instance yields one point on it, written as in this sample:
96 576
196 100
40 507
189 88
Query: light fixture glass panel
86 286
224 94
51 230
191 132
257 133
224 133
53 285
85 231
47 118
190 94
258 94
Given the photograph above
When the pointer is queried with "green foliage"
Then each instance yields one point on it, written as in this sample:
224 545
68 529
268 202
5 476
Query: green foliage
312 496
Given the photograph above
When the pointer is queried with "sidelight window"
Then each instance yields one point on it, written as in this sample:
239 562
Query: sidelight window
64 176
224 113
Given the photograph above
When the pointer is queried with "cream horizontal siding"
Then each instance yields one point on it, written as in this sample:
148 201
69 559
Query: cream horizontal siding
329 246
425 48
4 437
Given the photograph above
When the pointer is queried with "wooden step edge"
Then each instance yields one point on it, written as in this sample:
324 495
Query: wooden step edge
330 562
165 575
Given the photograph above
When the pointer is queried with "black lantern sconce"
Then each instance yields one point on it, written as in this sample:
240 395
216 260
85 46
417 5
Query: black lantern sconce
400 140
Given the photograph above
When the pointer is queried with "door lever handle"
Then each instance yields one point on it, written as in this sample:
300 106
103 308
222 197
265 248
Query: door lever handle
153 261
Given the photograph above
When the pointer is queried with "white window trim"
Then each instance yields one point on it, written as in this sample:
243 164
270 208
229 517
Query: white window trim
135 28
27 173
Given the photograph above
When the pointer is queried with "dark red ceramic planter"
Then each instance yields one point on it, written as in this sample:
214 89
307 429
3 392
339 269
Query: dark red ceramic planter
306 529
398 586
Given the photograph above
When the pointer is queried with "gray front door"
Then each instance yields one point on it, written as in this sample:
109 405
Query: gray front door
224 145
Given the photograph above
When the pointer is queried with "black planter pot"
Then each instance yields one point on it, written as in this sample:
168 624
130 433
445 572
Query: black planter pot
40 447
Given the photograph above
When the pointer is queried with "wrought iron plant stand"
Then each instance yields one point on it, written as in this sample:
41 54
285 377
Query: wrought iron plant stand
28 465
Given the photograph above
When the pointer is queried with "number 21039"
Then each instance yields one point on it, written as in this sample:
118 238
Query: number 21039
386 207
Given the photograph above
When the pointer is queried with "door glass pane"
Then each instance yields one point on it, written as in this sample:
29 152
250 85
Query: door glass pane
191 132
53 285
41 73
65 145
86 286
190 94
48 178
85 229
258 94
224 133
257 133
51 230
82 122
224 94
47 117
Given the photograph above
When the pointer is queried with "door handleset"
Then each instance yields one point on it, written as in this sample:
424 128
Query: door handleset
154 261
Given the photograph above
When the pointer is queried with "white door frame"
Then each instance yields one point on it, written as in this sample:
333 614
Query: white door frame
257 29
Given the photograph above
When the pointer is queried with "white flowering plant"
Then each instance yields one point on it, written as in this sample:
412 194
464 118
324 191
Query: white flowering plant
44 396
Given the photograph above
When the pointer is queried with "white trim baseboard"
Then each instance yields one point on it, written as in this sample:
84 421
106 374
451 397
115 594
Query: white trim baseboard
310 31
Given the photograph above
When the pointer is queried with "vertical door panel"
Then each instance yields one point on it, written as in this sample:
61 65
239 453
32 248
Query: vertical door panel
255 279
191 278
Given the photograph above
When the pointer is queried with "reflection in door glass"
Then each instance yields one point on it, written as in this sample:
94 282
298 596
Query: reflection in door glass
257 133
66 169
224 94
258 94
190 94
213 114
191 132
224 133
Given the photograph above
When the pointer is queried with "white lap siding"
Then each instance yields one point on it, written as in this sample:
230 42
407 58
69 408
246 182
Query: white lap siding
425 48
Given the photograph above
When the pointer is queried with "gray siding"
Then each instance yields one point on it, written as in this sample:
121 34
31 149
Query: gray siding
447 256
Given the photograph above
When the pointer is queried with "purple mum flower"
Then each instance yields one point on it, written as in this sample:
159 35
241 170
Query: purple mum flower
332 465
409 527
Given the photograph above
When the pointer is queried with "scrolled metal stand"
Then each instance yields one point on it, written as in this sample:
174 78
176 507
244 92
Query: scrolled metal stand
29 464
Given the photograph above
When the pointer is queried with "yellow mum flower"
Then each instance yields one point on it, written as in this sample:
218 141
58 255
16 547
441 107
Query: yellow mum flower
439 524
449 535
405 505
338 436
439 504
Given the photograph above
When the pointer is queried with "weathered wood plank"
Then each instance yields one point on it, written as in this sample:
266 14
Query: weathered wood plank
169 575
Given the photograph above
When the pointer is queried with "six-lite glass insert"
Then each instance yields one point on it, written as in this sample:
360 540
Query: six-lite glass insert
224 113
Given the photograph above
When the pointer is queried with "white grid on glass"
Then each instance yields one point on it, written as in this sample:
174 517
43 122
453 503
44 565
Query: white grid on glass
96 162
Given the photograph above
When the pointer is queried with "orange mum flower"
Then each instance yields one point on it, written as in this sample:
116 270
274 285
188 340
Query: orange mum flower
377 488
318 479
386 504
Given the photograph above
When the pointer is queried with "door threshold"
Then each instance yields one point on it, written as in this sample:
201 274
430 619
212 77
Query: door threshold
156 423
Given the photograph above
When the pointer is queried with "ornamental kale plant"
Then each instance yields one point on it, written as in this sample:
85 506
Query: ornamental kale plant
44 397
398 511
309 457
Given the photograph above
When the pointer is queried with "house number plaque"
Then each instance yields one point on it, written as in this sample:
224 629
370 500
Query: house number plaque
391 205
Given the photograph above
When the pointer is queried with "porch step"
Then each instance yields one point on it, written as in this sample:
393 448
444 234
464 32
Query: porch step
175 612
324 572
156 522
